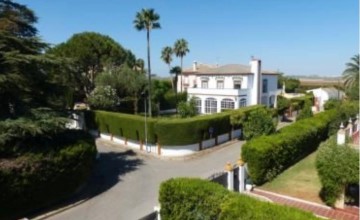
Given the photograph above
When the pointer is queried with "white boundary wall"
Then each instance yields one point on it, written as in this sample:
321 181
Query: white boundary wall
170 151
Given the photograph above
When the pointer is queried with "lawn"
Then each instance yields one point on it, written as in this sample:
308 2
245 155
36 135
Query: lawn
300 181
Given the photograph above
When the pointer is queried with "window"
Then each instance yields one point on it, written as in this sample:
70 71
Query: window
204 84
227 104
242 102
265 86
237 84
220 84
197 104
210 105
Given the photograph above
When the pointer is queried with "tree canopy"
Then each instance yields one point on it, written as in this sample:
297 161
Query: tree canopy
351 77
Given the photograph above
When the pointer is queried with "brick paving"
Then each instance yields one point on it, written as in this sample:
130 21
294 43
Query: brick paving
349 213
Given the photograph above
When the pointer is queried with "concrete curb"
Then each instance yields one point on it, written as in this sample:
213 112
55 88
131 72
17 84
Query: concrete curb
179 158
55 212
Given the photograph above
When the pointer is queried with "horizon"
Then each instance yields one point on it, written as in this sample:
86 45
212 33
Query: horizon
296 38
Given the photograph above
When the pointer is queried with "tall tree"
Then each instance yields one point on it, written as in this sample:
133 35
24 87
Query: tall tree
92 53
147 19
166 56
351 78
25 82
181 49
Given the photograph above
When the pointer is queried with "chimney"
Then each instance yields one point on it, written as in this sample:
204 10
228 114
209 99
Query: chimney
194 66
255 68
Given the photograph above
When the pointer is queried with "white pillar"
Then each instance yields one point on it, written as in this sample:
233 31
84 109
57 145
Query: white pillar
255 68
230 176
341 135
350 127
157 210
241 175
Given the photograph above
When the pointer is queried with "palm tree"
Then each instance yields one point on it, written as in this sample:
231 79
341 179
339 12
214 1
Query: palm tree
351 73
166 56
175 70
180 49
147 19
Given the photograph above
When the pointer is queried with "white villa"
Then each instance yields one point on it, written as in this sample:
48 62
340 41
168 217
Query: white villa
231 86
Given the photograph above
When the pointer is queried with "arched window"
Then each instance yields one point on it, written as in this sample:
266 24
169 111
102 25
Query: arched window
242 103
210 105
197 101
272 101
227 104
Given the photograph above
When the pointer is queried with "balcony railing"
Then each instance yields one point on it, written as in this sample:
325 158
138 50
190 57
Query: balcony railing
202 91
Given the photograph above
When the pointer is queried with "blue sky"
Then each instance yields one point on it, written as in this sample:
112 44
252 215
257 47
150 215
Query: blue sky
297 37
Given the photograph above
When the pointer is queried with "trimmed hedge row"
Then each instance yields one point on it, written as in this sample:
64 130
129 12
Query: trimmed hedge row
167 131
45 174
122 125
267 156
190 198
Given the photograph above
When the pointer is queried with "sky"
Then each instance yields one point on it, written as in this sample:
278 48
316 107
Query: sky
296 37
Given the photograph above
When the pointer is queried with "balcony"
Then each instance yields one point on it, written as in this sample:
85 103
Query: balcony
231 92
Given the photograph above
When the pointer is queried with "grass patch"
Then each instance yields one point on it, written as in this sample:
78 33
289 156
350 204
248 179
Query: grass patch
300 181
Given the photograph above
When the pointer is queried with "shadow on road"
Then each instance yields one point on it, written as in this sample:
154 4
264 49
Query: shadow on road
107 172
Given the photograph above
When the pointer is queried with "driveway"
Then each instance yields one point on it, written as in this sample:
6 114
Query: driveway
125 184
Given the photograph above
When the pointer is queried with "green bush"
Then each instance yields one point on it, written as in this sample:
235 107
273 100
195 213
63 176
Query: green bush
267 156
305 112
337 166
47 173
331 104
189 198
259 122
187 109
346 110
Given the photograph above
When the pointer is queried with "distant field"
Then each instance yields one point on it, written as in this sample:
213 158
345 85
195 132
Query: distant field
315 83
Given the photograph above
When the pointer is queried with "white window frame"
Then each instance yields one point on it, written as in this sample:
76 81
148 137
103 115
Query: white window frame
197 104
227 104
210 105
237 82
220 84
242 102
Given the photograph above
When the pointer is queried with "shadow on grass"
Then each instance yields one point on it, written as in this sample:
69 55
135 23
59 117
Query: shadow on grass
107 172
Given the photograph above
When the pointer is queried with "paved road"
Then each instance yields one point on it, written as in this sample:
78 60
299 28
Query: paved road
125 184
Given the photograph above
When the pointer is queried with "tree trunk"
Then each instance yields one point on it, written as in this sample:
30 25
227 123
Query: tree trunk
181 82
135 104
149 69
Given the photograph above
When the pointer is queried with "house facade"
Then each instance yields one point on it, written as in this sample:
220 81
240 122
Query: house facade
232 86
322 95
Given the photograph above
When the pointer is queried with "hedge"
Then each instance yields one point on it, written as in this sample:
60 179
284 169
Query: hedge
338 167
122 125
45 174
167 131
191 198
267 156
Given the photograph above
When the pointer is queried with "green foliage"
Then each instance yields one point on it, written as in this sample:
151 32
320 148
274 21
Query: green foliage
347 109
26 80
103 97
351 78
187 109
282 104
50 172
122 125
305 112
190 198
239 116
267 156
337 166
291 84
258 122
90 53
331 104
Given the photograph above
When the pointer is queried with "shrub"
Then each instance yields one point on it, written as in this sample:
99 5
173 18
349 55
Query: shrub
267 156
259 122
331 104
337 166
305 112
345 111
239 116
103 97
189 198
47 173
187 109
